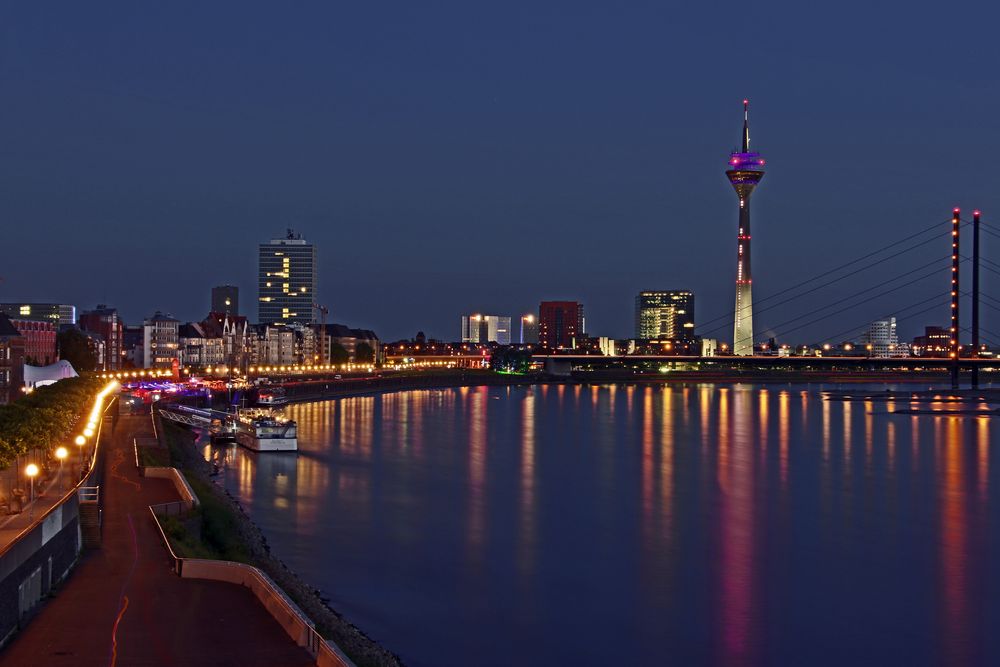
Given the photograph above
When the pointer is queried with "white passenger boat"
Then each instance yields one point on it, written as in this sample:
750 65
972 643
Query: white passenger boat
262 431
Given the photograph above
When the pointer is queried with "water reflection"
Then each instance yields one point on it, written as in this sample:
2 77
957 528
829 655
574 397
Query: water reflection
738 588
699 523
526 551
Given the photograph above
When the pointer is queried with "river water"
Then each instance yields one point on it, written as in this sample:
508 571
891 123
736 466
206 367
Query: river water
640 525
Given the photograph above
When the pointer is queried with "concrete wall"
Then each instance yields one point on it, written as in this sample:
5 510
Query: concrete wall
180 483
44 554
281 608
51 546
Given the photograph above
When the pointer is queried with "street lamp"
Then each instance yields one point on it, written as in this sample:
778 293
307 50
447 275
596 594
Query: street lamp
80 442
61 454
31 471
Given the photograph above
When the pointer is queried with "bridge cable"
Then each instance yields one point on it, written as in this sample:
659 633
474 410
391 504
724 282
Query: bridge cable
844 266
897 315
837 312
851 296
935 272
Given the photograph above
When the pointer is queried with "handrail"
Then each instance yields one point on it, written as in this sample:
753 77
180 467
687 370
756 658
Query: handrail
316 645
89 494
178 562
73 491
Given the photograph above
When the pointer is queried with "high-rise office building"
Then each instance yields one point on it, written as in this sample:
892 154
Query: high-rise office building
745 171
486 329
226 300
664 314
559 323
286 281
58 313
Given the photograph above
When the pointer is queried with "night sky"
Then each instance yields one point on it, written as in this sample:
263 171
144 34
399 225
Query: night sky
459 157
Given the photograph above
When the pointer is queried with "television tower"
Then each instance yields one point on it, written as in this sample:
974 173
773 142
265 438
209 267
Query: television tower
745 171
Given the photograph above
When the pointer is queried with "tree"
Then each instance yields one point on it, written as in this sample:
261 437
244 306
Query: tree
338 354
74 347
364 353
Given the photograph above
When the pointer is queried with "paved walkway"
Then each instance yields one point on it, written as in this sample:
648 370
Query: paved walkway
123 605
47 494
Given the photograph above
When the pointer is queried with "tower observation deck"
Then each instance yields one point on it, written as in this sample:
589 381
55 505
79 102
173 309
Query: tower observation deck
745 170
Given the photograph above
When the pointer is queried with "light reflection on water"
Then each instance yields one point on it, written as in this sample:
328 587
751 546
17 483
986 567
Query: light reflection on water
651 525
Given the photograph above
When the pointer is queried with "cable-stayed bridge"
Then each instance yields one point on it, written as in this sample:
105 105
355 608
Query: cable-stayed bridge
906 279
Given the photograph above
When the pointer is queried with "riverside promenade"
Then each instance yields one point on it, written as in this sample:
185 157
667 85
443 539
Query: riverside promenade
123 604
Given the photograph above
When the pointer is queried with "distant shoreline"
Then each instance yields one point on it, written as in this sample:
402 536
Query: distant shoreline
322 390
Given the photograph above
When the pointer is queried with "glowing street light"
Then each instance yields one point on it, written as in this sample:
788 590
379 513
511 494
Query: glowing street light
61 454
80 442
31 471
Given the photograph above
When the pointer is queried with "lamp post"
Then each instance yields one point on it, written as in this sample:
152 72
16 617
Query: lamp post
61 454
31 470
80 442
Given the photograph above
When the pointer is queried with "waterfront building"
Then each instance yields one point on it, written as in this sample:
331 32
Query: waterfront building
687 347
197 347
936 342
234 332
106 323
423 353
132 346
559 322
226 300
276 346
745 170
97 348
664 314
709 347
286 281
11 361
486 329
39 340
160 341
881 340
60 314
529 330
353 341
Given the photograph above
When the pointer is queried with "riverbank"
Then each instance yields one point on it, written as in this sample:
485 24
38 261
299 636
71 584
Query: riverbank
221 529
301 391
307 389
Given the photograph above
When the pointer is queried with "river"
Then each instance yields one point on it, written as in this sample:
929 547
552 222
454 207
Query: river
640 525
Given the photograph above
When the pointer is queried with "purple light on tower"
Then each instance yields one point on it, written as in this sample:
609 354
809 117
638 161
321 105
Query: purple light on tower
745 170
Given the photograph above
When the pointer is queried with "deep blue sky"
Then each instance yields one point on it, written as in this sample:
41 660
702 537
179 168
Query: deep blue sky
451 157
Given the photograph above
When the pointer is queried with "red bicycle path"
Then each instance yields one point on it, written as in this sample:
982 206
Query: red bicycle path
124 605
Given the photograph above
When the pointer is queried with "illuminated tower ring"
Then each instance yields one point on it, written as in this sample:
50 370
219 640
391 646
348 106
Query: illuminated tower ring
745 171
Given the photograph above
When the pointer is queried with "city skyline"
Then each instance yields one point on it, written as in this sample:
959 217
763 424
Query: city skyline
491 161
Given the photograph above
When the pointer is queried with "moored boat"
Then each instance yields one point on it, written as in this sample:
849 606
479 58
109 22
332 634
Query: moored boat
271 396
263 431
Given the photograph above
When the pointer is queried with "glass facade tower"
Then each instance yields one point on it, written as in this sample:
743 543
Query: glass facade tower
664 315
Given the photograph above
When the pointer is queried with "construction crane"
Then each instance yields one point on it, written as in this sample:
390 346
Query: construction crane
321 332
